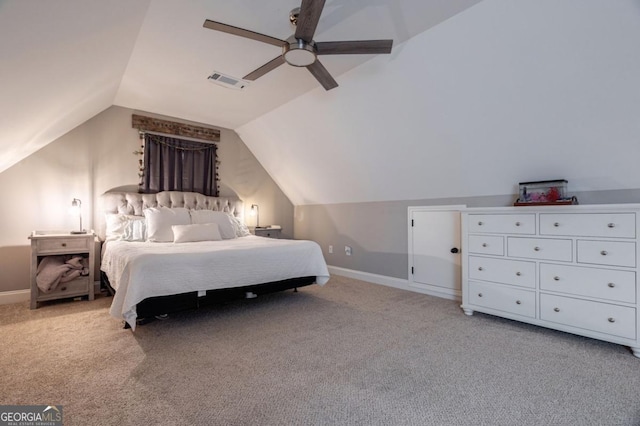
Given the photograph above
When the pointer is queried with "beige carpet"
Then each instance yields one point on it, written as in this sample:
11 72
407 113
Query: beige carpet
348 353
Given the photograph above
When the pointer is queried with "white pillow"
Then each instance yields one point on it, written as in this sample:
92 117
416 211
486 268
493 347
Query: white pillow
125 227
198 232
240 228
222 219
161 219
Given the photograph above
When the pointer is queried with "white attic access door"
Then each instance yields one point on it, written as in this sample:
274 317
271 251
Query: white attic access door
434 250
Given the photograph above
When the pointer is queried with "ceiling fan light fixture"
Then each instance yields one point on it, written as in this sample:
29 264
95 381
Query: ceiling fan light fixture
299 53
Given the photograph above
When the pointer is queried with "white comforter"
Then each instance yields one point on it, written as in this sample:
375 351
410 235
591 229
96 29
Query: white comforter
138 270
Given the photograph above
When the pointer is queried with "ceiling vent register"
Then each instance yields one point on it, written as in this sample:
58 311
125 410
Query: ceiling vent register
227 81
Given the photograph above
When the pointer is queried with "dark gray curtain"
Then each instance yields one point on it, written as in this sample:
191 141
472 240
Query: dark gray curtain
172 164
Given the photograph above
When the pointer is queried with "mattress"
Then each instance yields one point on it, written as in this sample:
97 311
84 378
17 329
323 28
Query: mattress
139 270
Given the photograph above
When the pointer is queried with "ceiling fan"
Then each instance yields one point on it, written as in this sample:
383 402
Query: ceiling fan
300 50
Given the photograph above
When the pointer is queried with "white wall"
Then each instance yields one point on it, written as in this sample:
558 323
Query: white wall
501 93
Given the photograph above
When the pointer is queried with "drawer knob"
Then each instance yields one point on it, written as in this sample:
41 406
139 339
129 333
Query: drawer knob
604 252
63 288
556 309
480 268
611 225
484 244
536 248
479 294
64 244
611 285
480 223
518 273
517 223
556 278
611 319
518 302
556 224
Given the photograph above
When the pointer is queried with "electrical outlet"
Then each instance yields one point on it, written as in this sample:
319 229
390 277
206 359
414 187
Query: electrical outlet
330 249
347 250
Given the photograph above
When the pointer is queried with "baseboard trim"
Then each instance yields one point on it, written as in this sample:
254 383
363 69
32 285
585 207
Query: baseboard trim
388 281
369 277
14 296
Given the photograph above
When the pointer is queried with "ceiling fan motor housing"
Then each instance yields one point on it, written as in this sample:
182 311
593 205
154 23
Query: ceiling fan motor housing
298 52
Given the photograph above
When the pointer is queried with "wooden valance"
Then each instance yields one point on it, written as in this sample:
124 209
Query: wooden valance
148 124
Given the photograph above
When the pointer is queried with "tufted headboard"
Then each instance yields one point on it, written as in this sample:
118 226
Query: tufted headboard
134 203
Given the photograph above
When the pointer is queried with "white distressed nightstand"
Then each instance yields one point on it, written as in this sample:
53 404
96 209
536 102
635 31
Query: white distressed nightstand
272 231
55 243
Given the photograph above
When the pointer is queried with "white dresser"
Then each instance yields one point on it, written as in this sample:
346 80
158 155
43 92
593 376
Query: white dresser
570 268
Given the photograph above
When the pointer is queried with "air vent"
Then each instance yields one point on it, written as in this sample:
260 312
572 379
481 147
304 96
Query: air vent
227 81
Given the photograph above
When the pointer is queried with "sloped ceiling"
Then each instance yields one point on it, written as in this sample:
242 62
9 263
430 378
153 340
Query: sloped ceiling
504 92
61 64
64 61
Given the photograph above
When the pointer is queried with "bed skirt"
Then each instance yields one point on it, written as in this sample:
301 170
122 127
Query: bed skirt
150 308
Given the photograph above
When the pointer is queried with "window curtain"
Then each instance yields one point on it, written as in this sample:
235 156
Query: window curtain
172 164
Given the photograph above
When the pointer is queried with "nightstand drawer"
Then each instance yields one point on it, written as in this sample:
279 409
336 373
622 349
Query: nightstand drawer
486 244
608 225
502 223
268 232
59 245
614 253
540 248
77 287
601 317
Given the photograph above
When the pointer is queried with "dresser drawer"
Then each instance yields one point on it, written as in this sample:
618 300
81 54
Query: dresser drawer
502 223
514 272
540 248
601 317
614 253
608 225
486 244
61 245
503 298
591 282
77 287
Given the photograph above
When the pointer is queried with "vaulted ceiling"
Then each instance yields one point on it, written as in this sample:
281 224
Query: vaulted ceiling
65 61
475 96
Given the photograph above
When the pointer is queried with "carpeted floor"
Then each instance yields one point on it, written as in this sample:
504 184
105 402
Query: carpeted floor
347 353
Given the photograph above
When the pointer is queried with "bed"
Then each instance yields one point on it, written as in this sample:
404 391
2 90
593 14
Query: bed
197 266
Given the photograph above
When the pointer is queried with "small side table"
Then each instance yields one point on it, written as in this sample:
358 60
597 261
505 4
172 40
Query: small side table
272 231
55 243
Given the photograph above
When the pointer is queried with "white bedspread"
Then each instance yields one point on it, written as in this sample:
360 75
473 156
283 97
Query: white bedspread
138 270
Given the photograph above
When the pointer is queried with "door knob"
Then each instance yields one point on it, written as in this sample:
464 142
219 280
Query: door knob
454 250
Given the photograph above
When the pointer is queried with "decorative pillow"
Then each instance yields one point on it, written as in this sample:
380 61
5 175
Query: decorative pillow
198 232
161 219
125 227
239 226
223 220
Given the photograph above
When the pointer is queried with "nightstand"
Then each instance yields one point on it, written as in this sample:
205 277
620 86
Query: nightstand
272 231
53 243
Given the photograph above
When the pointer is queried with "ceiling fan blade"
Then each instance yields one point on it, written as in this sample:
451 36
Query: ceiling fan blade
212 25
272 64
354 47
310 11
322 75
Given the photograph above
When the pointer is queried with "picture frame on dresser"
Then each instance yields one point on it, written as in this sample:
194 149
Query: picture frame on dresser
544 193
569 268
